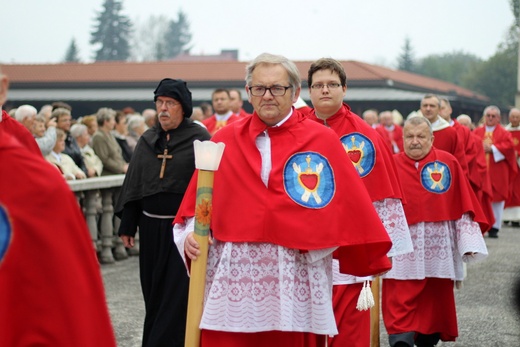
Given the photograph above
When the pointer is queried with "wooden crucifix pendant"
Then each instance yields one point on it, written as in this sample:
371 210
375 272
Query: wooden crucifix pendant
165 156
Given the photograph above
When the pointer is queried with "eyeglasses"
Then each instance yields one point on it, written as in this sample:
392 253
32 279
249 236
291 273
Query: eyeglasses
328 85
492 115
169 103
274 90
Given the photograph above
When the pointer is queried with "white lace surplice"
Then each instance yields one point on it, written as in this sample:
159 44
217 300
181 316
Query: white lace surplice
439 249
252 287
391 213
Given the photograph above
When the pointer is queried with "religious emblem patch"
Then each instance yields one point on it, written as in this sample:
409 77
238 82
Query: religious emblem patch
436 177
5 232
361 152
309 180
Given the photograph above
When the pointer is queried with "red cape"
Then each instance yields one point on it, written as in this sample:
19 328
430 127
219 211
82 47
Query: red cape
51 292
514 198
437 190
211 123
379 173
502 173
395 136
244 210
448 140
243 113
19 132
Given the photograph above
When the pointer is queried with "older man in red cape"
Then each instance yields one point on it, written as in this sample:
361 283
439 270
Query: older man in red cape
501 162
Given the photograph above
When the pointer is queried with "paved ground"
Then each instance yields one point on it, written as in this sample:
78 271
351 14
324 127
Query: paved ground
486 313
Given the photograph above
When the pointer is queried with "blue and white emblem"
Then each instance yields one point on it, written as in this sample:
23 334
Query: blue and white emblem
436 177
309 180
5 232
361 152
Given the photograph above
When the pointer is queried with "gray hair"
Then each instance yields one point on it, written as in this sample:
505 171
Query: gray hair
418 121
491 107
78 129
134 121
25 111
271 59
104 114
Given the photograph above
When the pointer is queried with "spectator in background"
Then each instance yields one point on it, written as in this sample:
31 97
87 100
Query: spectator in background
136 127
236 103
63 162
45 136
63 119
94 165
197 116
26 114
120 131
207 110
105 145
370 117
150 117
91 123
46 112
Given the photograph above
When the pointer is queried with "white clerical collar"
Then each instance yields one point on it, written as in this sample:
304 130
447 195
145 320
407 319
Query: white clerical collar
223 117
284 120
490 129
510 127
390 128
440 124
452 122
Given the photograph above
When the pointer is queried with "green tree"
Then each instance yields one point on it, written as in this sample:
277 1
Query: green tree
405 61
177 37
112 32
452 67
72 54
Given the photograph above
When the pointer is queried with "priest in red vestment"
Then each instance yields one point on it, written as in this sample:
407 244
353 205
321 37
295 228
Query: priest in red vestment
393 132
236 103
512 207
51 291
445 222
285 200
446 137
374 163
501 162
223 114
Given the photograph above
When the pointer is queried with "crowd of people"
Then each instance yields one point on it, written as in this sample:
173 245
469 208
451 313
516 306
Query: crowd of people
310 205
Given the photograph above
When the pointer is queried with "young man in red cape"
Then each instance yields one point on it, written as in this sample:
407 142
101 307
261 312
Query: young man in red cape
285 198
373 161
501 162
223 114
445 221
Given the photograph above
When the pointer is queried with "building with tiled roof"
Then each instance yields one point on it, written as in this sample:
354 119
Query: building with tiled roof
87 87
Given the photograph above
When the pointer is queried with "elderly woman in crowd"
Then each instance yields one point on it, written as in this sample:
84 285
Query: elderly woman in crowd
136 128
105 144
94 165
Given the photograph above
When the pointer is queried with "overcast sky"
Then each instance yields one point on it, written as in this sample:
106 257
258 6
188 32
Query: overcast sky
373 31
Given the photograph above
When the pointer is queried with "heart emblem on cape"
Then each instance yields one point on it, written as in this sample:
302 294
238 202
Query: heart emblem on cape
309 180
436 176
355 155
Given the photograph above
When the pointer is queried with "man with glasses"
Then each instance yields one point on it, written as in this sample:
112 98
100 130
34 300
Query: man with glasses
285 197
501 161
374 163
161 167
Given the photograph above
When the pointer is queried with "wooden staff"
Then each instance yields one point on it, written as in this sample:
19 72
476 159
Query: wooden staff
374 314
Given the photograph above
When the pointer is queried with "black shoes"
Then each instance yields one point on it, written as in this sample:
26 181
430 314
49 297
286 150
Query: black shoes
493 233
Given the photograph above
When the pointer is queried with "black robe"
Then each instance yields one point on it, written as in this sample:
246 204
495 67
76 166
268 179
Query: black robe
164 280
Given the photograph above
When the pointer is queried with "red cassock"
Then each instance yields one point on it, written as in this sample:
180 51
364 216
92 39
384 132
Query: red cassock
51 291
514 198
213 126
377 170
18 131
502 173
392 137
448 140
